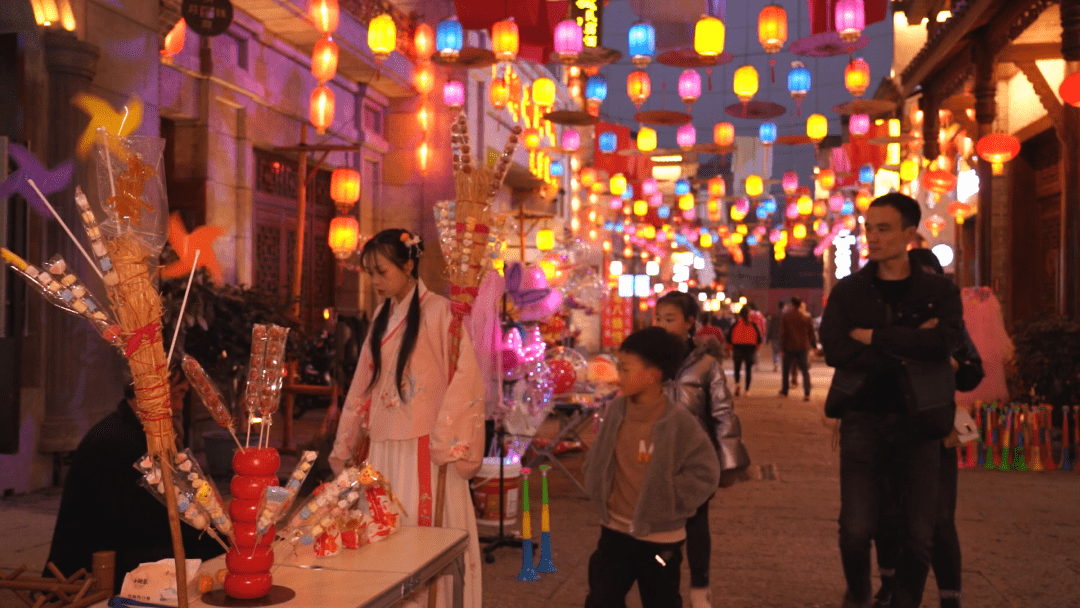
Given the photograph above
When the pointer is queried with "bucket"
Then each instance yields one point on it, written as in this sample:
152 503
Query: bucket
485 488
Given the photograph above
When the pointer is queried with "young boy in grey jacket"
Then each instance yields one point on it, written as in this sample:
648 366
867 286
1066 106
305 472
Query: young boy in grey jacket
650 469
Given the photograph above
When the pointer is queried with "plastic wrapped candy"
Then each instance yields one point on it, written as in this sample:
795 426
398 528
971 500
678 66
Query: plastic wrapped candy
379 502
277 499
131 184
256 366
273 370
205 492
335 497
209 394
191 511
354 529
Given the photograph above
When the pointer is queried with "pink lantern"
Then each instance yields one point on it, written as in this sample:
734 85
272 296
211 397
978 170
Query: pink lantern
656 200
689 86
742 205
836 202
649 186
850 19
454 94
568 40
859 124
571 140
774 235
792 211
790 182
689 214
686 136
615 202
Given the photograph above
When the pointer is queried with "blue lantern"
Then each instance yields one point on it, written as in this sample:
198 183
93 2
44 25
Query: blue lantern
866 174
608 141
762 212
682 187
663 212
609 225
769 204
619 227
596 88
629 192
751 240
848 208
449 37
798 81
767 133
641 40
556 168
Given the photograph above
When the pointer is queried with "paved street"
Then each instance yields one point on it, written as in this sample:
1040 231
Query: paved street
774 541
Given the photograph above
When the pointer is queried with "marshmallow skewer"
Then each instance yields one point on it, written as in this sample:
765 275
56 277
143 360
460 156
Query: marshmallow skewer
97 244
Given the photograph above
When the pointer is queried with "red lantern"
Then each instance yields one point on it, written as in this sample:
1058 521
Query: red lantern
424 42
724 134
998 149
935 224
939 181
174 40
857 76
424 117
499 94
345 188
772 28
717 187
960 211
324 59
504 40
638 87
344 236
321 111
324 14
826 179
1070 89
424 78
423 157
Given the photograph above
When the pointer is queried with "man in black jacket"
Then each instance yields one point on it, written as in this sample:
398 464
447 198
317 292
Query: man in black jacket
889 330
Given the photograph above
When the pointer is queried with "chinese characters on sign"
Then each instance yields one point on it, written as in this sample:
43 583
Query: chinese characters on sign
208 17
588 14
617 320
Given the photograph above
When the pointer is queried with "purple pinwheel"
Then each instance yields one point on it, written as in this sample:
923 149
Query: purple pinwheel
517 288
48 181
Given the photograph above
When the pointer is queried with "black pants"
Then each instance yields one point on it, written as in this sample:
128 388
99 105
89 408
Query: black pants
801 359
741 353
945 554
887 448
621 559
698 546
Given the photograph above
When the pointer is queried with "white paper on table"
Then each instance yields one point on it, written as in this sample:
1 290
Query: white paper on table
155 582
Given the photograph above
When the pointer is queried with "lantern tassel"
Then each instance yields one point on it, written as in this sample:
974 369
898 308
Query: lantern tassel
708 76
772 70
798 107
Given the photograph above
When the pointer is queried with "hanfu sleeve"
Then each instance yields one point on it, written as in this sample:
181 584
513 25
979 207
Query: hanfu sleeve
354 413
458 435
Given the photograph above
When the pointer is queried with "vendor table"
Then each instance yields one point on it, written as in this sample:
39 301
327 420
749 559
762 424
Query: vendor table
573 418
373 576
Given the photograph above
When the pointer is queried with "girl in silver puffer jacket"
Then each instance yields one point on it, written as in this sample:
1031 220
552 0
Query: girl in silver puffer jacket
701 387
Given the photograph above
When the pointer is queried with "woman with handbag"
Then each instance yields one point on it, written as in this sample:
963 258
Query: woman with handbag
701 387
945 555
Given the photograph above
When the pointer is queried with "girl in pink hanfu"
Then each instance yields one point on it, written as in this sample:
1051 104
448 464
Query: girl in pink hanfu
982 316
417 412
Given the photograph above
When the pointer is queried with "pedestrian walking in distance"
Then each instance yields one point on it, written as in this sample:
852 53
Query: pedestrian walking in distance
796 339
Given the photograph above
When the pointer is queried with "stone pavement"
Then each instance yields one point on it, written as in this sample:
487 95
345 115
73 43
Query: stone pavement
774 540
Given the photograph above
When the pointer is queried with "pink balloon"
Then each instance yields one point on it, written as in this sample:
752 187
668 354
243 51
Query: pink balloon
534 278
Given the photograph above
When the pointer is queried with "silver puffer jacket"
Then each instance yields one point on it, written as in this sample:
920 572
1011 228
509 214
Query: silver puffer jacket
701 387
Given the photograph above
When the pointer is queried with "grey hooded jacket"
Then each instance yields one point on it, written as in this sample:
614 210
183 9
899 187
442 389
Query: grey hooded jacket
701 387
679 478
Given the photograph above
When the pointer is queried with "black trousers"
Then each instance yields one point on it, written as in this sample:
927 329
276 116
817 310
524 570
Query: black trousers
945 554
800 359
876 449
621 559
742 353
699 546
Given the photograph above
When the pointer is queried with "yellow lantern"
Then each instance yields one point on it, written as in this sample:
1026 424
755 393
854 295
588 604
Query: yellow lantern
857 76
745 83
321 111
504 40
706 241
817 127
646 139
382 36
826 179
617 185
324 14
638 87
345 188
798 231
588 177
543 92
424 78
686 202
724 134
863 200
821 209
545 239
754 185
344 236
499 94
909 170
804 205
640 207
324 59
709 36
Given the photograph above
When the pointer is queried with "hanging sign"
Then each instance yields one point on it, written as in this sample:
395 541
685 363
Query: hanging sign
208 17
589 15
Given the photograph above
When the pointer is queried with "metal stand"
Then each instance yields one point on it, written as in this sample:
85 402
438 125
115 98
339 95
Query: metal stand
491 543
